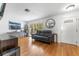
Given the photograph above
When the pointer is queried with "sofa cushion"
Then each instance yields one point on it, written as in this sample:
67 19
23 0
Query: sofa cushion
39 36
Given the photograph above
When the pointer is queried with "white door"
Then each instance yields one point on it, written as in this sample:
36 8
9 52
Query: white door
68 33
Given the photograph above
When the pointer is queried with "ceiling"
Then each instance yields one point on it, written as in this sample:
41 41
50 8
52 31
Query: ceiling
37 10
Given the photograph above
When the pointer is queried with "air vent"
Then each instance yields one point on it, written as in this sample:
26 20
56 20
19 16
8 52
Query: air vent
68 21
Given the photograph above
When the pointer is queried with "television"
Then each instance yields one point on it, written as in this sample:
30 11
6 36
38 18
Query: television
14 25
2 8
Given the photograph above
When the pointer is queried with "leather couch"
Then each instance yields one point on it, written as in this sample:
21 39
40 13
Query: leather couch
44 35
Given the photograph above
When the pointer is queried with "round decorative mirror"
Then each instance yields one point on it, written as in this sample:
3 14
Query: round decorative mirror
50 23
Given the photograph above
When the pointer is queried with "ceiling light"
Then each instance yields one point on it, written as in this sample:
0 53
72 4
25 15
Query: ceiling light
70 7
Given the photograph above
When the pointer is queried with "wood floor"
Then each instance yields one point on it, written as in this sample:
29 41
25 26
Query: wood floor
36 48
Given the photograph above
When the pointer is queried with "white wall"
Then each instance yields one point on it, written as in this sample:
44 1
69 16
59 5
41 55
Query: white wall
59 27
67 37
8 15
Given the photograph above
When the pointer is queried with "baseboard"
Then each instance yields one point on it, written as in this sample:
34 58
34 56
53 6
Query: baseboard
69 43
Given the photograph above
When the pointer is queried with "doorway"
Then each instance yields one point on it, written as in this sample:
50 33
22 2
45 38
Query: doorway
68 34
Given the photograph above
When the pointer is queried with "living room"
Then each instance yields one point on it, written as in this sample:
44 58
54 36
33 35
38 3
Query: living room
39 29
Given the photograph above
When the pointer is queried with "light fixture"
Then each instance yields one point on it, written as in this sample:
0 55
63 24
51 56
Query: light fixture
27 10
70 7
